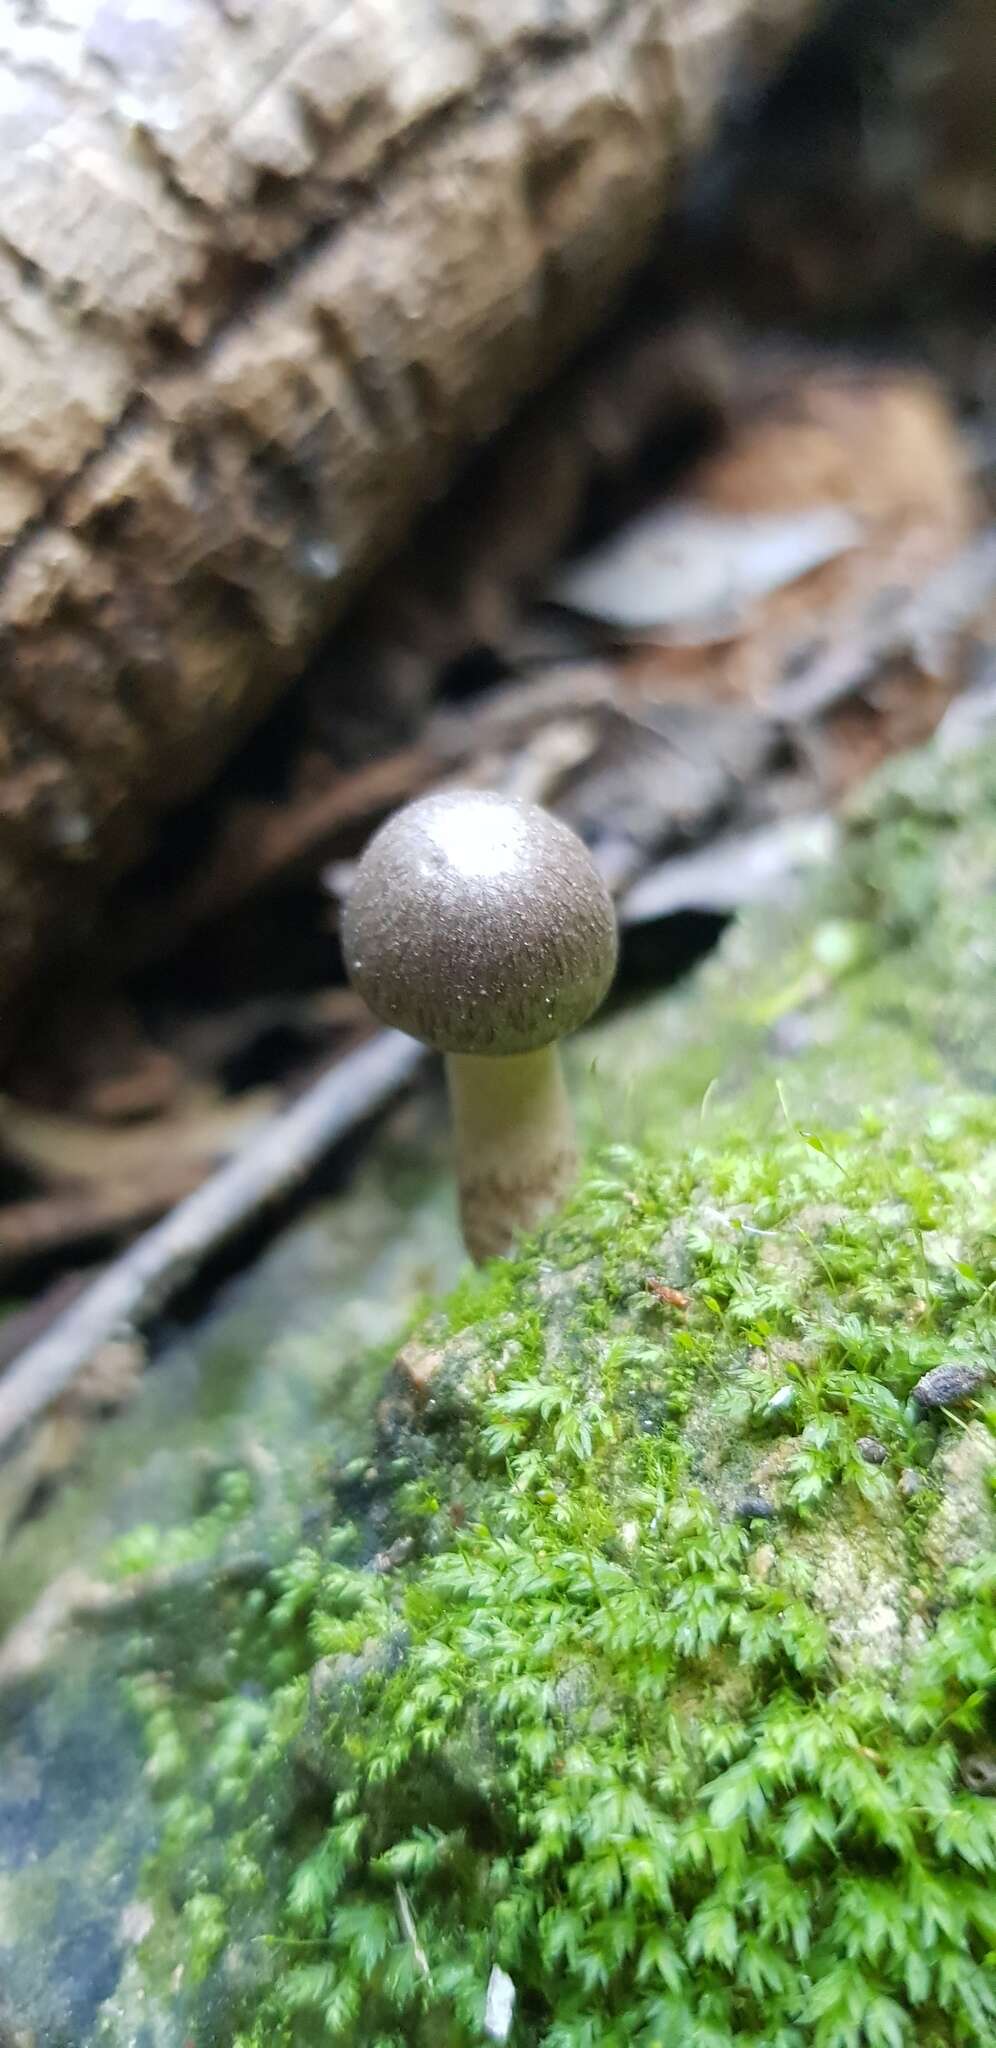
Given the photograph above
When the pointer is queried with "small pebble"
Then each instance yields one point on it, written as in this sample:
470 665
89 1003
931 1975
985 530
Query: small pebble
869 1448
946 1385
911 1483
979 1774
784 1398
135 1921
399 1553
499 2009
792 1034
754 1508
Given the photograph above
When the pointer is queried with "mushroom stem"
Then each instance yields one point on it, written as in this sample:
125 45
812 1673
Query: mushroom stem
515 1143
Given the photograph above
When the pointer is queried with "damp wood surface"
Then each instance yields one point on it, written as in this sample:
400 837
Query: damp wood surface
267 275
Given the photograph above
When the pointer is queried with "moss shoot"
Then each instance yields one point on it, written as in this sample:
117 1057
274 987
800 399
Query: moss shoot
652 1659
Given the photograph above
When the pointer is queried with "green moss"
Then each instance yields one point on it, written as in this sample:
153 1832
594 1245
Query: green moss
624 1670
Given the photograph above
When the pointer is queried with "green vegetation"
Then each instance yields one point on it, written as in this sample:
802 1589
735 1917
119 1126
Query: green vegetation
653 1660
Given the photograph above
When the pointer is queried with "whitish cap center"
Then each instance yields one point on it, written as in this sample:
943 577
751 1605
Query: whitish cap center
479 845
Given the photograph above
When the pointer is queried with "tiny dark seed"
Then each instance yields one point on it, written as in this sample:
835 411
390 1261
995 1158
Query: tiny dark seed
869 1448
946 1385
754 1508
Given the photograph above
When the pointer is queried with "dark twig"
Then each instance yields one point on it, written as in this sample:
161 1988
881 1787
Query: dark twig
135 1286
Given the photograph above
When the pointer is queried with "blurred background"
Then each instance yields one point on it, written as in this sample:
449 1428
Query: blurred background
595 403
593 400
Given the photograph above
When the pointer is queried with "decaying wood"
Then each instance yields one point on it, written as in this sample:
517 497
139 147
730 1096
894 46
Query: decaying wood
267 273
136 1285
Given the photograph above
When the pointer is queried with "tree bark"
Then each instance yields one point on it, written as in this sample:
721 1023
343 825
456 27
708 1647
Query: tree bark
267 272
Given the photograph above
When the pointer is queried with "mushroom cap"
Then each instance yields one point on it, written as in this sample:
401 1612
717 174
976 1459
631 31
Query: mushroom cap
479 924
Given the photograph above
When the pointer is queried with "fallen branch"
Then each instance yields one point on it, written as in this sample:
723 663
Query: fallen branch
136 1286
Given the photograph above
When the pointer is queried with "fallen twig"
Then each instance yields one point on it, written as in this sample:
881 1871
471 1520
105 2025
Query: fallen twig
407 1923
25 1325
260 844
135 1286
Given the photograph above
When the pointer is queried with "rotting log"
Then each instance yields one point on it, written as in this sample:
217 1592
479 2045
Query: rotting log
266 274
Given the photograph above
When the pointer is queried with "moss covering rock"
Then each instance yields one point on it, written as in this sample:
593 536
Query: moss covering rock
642 1687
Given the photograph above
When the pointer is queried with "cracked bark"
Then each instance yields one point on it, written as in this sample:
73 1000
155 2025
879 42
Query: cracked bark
267 273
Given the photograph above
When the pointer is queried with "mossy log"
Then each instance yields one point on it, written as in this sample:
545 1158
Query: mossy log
267 274
650 1661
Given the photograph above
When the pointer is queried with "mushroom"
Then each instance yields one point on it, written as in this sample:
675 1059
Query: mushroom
481 926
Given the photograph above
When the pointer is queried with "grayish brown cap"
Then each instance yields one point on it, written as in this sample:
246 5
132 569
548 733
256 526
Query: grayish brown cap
479 924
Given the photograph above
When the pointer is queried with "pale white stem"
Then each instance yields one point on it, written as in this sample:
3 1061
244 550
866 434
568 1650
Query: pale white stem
516 1148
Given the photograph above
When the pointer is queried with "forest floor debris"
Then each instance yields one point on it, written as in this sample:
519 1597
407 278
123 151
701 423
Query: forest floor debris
851 609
